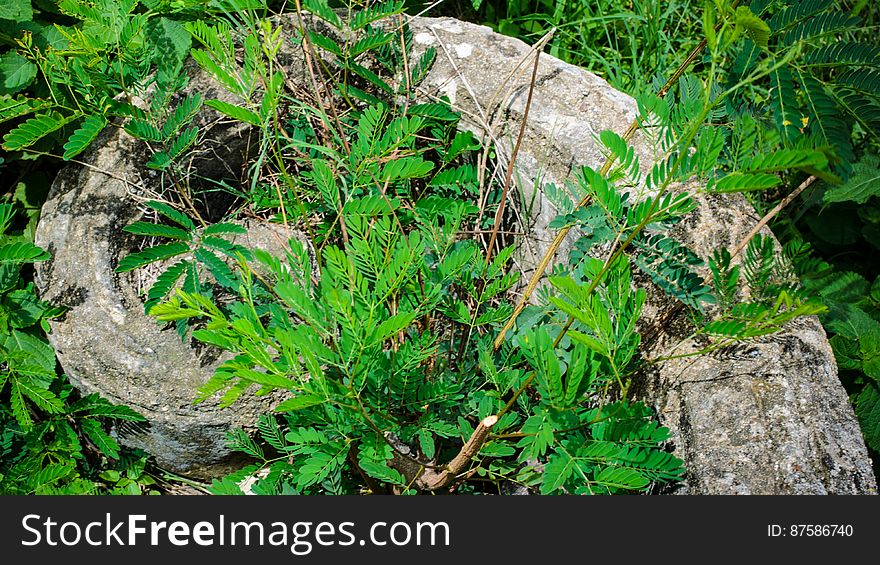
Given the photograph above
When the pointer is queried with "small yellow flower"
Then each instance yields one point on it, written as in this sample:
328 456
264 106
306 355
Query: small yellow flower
804 121
786 123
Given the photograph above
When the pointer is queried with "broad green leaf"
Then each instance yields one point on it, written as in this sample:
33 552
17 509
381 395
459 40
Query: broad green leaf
36 349
16 72
16 10
23 307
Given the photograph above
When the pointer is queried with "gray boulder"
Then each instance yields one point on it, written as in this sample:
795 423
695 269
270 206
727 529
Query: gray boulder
767 417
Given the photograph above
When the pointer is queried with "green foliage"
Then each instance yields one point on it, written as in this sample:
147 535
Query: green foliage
863 184
73 73
383 335
205 246
833 267
380 328
46 430
361 340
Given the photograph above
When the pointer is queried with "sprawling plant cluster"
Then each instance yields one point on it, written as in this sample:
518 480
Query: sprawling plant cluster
823 95
408 367
410 364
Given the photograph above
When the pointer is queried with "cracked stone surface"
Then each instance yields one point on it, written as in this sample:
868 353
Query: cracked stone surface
767 417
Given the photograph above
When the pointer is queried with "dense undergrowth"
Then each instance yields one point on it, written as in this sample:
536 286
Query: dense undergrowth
825 97
411 366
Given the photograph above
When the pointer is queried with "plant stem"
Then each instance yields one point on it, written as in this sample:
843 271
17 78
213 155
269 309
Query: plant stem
522 131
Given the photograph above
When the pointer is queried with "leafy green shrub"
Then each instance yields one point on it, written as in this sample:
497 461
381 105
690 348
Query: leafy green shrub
394 331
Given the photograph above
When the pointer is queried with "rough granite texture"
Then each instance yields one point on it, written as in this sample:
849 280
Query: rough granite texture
768 417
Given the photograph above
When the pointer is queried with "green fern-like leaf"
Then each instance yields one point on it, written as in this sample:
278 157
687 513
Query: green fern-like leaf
787 159
49 475
783 104
159 161
825 118
94 430
819 25
671 266
158 230
34 129
235 112
143 130
41 397
760 262
745 182
421 67
225 227
323 10
220 270
22 252
169 212
370 77
151 255
220 73
864 80
843 54
326 43
437 111
373 39
164 283
406 168
15 107
862 109
238 440
84 135
376 12
182 142
94 405
796 12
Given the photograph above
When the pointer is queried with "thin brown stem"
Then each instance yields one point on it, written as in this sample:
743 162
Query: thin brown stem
510 165
772 214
